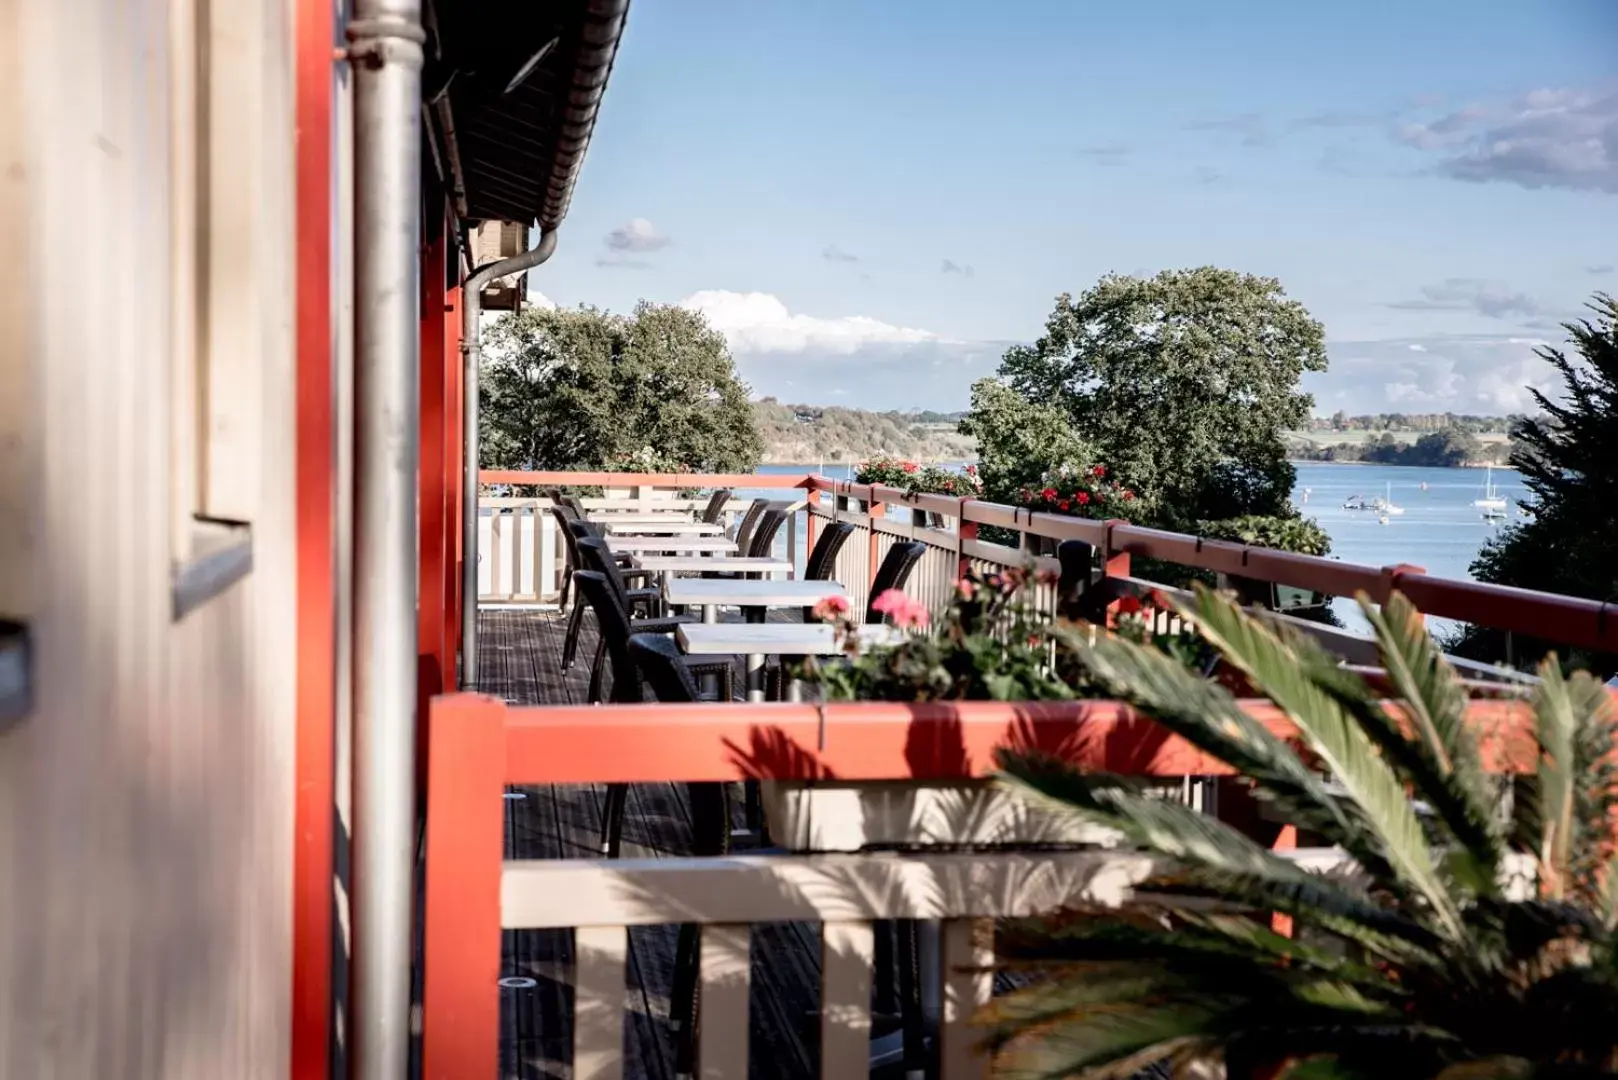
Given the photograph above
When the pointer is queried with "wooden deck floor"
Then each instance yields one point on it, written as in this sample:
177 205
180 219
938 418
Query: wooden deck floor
520 660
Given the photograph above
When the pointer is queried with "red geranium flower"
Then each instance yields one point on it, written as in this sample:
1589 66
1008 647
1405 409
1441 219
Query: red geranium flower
1129 605
910 466
1064 505
1048 494
1083 498
1128 494
1100 470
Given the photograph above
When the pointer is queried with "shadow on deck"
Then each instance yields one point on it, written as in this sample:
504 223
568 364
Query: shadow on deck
520 660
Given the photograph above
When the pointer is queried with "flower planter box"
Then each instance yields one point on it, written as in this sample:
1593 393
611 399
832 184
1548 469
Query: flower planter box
828 816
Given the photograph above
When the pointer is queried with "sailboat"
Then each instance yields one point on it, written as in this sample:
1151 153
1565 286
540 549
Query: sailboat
1492 499
1387 503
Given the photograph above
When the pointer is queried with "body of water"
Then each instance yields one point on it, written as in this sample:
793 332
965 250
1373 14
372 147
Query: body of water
1439 531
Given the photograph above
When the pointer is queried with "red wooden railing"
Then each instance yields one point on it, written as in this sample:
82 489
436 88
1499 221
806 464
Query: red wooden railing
1569 620
477 745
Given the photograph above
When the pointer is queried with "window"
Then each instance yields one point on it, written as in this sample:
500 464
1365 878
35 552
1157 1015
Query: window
218 173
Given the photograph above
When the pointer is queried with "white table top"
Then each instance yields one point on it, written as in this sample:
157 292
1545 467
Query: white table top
743 593
661 506
651 517
636 544
775 639
664 528
752 564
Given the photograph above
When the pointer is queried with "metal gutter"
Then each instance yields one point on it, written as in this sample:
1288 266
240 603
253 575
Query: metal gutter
385 51
471 360
592 67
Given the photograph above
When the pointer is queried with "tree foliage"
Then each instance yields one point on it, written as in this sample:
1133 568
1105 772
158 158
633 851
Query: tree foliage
578 389
807 434
1475 937
1019 440
1568 456
1184 383
1447 449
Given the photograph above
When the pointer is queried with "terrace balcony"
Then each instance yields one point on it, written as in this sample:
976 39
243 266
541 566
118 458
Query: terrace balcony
881 811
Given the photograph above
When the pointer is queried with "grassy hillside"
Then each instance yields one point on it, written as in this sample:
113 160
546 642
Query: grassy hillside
808 434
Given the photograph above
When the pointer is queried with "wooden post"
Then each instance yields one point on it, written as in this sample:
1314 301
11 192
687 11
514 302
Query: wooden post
964 530
450 588
460 1003
315 448
874 512
430 492
811 526
1113 564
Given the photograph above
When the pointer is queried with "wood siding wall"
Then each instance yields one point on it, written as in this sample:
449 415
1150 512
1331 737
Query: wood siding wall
146 804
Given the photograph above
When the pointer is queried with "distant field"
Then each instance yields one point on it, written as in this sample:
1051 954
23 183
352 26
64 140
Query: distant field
1356 438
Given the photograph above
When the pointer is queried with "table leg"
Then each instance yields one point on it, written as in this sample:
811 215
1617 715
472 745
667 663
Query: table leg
755 676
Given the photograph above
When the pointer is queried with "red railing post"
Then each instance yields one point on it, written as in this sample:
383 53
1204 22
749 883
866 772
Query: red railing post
460 1004
874 512
1392 577
811 526
1113 564
315 451
964 530
450 587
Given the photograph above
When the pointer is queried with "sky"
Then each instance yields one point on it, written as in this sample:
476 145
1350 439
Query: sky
872 200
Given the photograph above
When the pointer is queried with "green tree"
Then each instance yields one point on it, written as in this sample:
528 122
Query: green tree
1019 440
578 389
1475 939
1566 455
1184 383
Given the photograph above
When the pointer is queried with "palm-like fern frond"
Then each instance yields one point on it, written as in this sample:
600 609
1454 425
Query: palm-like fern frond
1442 760
1421 965
1212 859
1208 717
1340 742
1575 798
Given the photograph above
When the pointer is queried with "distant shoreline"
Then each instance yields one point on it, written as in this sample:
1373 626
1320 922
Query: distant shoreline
851 462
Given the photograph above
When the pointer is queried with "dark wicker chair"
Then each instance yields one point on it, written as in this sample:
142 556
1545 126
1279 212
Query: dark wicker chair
593 552
822 562
642 599
744 528
716 506
627 688
895 570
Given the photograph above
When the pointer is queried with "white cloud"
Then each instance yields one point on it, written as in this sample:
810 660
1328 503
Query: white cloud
760 323
1548 138
637 234
1455 373
539 299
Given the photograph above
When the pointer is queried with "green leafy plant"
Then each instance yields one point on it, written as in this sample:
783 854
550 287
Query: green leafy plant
1473 939
1301 535
990 645
993 643
1088 491
916 479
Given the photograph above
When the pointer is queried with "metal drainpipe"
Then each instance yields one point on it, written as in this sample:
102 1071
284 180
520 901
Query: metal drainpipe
385 51
471 355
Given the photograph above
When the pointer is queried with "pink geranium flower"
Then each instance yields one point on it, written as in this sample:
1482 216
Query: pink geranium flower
830 607
905 612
